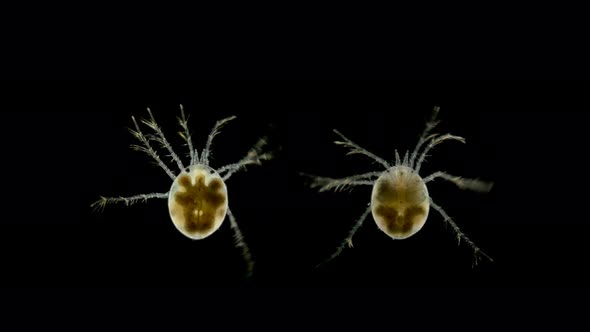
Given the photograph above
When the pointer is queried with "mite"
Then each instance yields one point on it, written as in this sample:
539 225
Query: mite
400 203
198 196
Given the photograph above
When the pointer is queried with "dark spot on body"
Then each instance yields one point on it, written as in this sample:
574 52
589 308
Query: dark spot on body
215 184
184 181
400 222
204 223
386 191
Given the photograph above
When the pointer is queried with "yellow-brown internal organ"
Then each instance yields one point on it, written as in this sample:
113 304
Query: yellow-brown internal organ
400 222
199 206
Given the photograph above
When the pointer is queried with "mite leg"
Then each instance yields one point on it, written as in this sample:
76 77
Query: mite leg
460 236
356 149
435 140
147 148
216 129
240 243
432 141
425 134
186 135
348 239
255 156
463 183
103 201
160 138
325 183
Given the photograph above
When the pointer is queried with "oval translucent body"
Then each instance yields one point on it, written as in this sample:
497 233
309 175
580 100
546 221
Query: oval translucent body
198 201
400 202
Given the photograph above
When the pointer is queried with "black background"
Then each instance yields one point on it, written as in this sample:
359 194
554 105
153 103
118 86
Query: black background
66 143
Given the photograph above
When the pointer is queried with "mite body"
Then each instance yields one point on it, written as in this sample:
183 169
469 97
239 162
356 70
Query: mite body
400 202
198 202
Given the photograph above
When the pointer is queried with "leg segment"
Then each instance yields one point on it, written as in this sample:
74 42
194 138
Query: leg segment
240 243
460 236
424 137
207 151
356 149
463 183
160 138
254 156
348 239
186 135
103 201
325 183
435 140
147 148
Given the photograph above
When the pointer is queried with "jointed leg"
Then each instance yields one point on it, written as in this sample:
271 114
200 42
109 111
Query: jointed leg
460 236
207 151
434 140
240 243
160 138
103 201
147 148
254 156
463 183
356 149
325 183
186 135
348 239
424 137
